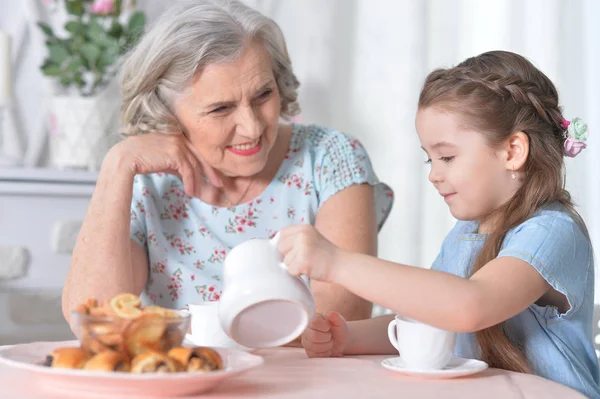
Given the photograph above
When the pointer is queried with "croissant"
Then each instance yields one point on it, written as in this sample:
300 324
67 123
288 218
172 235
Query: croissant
147 332
164 312
108 361
127 306
66 358
98 338
197 359
154 362
86 307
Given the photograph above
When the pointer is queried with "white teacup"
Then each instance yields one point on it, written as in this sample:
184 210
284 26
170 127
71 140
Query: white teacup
206 329
421 346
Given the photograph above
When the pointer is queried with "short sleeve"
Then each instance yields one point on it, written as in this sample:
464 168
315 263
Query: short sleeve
558 249
341 162
440 263
137 224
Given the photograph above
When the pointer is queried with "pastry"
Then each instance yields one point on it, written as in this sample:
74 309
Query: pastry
108 361
93 345
120 335
197 359
98 337
66 358
147 332
127 306
98 311
174 336
164 312
154 362
89 305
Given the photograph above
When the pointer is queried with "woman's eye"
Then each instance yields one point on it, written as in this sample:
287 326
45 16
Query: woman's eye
218 110
428 161
265 94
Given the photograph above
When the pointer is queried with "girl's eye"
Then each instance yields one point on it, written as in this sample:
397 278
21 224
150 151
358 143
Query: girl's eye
443 159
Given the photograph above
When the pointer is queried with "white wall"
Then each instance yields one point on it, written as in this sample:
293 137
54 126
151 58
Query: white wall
361 64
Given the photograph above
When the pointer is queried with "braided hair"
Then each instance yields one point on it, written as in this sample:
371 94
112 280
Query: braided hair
499 93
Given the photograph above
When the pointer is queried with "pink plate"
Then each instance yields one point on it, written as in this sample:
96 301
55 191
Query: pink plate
28 359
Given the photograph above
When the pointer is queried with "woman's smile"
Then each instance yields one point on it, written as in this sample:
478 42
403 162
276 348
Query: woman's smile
246 149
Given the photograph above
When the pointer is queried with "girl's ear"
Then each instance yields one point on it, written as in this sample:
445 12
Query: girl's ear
517 151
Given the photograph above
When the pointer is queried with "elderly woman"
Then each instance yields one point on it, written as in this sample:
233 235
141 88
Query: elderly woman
208 165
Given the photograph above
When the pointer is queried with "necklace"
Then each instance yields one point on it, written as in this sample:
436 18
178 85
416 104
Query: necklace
231 203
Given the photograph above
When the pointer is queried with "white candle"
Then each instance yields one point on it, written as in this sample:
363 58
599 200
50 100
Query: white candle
5 69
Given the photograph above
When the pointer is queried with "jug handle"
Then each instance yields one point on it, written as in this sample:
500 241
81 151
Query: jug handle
275 243
275 240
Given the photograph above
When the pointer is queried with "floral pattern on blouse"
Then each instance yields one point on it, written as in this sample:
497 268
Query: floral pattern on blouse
186 240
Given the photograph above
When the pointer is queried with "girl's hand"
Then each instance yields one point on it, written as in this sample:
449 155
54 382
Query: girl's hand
305 251
326 336
172 154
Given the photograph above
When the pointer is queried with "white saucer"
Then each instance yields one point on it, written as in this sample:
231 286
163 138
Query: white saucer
457 367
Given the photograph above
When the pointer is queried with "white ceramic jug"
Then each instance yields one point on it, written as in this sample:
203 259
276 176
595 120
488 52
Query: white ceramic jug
262 305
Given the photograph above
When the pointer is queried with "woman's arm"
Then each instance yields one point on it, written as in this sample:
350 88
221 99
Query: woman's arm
105 260
369 337
348 220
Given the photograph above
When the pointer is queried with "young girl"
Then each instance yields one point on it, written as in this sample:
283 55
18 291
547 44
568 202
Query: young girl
515 276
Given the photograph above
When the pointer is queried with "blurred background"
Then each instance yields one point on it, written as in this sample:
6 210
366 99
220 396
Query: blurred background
361 64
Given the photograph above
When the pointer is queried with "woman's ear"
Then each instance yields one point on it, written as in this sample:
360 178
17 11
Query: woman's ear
517 151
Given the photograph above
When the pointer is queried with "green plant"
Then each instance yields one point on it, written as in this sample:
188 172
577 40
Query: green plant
97 36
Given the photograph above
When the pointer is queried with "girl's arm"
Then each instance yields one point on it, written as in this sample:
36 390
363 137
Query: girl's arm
330 335
358 234
501 289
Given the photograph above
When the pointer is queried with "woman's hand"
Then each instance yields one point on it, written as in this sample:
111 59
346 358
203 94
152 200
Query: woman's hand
306 252
172 154
326 336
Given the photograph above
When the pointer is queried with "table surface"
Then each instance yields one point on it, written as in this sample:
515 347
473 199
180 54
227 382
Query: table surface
288 373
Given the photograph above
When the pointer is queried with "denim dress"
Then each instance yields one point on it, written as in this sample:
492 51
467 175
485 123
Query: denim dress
558 345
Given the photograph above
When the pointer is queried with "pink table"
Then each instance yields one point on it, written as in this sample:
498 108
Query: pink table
288 373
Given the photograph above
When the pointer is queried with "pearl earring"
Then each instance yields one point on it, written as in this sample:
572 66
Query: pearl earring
513 175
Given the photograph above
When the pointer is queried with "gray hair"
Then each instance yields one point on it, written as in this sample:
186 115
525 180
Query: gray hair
186 38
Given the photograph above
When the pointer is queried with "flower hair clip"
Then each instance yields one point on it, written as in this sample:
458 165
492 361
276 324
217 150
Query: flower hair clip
576 133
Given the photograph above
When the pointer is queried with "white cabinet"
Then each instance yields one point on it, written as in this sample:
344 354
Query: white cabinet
40 211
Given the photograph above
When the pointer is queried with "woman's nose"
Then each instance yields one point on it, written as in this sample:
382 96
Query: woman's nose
249 123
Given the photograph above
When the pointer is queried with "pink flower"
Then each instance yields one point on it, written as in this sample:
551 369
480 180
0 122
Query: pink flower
565 124
573 147
102 7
